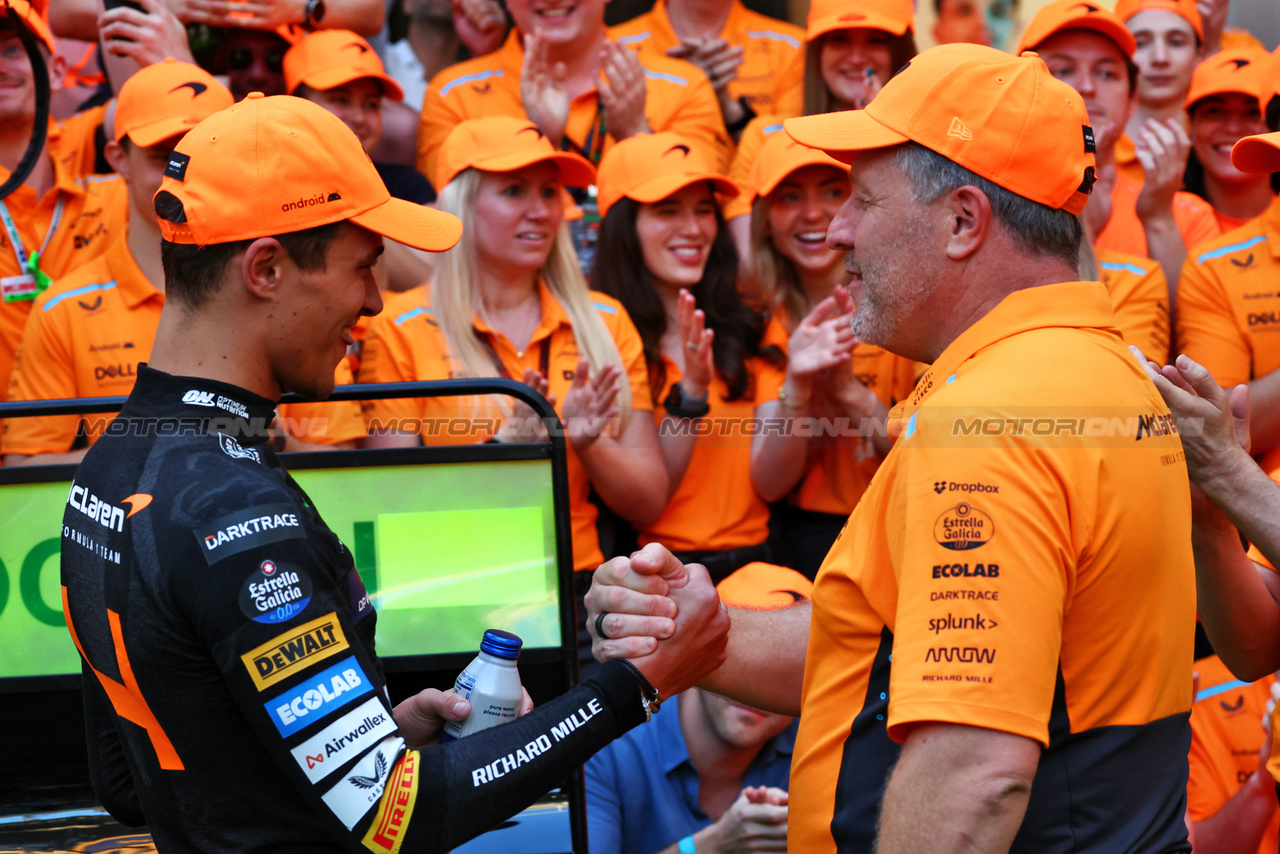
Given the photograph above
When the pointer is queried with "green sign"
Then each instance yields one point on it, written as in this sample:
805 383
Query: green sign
446 551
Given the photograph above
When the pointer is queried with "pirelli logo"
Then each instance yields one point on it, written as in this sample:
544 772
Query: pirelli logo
386 834
294 651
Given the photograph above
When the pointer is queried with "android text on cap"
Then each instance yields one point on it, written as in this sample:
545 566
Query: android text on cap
166 100
648 167
329 58
1185 9
33 22
892 16
1239 71
269 166
779 157
1063 15
764 585
1259 153
1003 117
505 144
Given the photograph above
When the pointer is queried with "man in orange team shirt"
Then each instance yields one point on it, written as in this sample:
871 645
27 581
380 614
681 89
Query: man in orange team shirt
1090 48
87 333
559 69
58 219
752 60
968 628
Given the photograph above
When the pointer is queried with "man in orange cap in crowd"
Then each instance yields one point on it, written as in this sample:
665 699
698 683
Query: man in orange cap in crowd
711 779
272 217
59 218
993 23
1089 48
752 60
560 69
968 627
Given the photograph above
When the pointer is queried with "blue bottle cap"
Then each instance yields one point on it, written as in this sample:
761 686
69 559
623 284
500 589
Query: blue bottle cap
502 644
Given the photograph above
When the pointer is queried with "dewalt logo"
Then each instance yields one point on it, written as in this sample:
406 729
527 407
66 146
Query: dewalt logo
294 651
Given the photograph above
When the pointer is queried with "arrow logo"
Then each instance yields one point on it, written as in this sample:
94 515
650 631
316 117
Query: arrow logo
196 88
137 503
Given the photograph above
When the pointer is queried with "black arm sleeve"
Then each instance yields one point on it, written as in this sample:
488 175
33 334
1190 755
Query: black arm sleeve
108 769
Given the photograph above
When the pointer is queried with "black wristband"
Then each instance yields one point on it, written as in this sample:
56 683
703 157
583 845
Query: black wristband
682 407
624 686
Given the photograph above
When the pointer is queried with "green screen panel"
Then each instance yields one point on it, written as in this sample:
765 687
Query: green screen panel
445 550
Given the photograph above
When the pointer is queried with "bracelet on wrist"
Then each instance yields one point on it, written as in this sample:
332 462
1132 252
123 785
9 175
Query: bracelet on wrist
787 402
649 696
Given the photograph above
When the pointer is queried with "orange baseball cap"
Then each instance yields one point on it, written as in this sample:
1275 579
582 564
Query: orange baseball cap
779 157
1185 9
1004 117
764 585
269 166
505 144
892 16
1259 153
1240 70
1075 15
32 20
648 167
166 100
329 58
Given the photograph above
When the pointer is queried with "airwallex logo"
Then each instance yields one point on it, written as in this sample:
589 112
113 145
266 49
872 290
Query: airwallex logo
310 202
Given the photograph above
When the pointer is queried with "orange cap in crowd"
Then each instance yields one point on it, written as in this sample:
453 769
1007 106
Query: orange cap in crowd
764 585
1240 70
1257 153
1064 15
1004 117
269 166
505 144
892 16
32 20
779 157
1271 81
166 100
1185 9
648 167
329 58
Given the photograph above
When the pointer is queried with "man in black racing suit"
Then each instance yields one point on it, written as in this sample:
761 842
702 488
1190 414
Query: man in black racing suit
233 698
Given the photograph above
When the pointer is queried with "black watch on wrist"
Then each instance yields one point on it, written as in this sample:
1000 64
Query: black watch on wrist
684 407
314 13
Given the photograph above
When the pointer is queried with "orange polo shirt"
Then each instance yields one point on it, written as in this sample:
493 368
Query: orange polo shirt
1140 299
769 48
94 210
1124 232
1226 740
85 337
988 577
1228 316
749 145
716 507
678 98
405 344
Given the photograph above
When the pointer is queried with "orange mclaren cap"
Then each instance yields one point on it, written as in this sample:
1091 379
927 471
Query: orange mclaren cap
269 166
329 58
892 16
779 157
1185 9
31 19
648 167
1004 117
764 585
1257 153
1241 70
504 144
166 100
1074 15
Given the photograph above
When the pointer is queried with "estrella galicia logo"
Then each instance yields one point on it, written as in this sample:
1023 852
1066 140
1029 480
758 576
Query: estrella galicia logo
275 593
963 527
318 697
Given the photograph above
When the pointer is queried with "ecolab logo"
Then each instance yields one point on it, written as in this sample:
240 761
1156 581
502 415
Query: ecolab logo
318 696
317 199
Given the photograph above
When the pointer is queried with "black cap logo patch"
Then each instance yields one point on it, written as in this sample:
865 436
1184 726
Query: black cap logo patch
1090 144
177 168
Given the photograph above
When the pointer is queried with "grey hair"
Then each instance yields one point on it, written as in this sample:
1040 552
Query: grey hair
1036 228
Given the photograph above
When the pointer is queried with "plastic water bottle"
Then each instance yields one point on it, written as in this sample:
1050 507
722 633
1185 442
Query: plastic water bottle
492 684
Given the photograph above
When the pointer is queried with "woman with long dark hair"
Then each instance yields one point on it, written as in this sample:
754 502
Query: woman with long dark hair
664 253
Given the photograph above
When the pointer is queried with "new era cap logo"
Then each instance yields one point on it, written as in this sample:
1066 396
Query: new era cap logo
958 130
196 88
177 168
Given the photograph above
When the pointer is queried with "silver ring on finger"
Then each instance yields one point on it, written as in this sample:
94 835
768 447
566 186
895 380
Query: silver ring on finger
693 348
600 626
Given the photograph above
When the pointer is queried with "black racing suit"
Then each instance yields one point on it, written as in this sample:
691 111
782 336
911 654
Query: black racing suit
233 699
